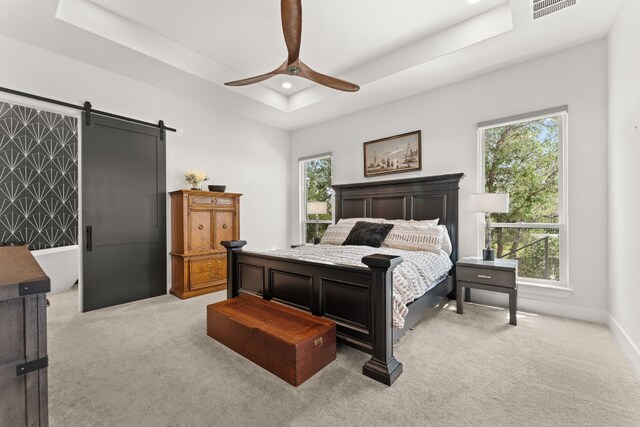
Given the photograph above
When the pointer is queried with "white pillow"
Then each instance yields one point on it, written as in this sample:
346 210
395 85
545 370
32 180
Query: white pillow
446 240
353 221
411 237
336 234
426 222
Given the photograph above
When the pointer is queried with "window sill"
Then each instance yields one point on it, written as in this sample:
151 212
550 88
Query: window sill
529 288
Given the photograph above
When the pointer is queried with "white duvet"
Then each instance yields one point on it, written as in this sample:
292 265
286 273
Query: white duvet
418 273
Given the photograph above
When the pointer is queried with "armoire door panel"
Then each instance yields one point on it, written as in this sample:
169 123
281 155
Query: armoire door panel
224 227
200 236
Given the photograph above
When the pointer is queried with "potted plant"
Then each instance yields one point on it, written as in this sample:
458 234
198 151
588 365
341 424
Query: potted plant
195 178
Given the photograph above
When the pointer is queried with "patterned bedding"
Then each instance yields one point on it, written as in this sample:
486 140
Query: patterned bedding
418 273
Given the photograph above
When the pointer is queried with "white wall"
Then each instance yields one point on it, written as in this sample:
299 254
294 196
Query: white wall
448 117
248 157
624 176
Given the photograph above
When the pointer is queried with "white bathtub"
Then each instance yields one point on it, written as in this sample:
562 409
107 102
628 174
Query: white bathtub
61 265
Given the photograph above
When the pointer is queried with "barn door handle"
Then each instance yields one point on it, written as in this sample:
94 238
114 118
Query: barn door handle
89 238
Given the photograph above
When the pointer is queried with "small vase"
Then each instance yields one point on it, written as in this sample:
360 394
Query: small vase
196 187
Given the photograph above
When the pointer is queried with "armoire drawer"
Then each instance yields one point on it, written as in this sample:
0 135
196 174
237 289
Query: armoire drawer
207 278
201 201
202 265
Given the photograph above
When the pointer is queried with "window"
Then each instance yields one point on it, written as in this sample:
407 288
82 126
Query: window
315 181
524 157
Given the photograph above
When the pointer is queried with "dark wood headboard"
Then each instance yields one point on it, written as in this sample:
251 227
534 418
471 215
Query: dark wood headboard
420 198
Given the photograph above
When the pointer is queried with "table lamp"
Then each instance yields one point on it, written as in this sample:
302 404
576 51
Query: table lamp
316 208
489 203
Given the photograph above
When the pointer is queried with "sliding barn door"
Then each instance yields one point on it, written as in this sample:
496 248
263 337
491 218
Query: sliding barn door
123 212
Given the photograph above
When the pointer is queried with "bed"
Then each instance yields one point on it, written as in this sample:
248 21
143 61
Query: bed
358 298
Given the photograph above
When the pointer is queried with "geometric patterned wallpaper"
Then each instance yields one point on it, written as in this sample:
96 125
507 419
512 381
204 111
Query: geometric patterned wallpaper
38 177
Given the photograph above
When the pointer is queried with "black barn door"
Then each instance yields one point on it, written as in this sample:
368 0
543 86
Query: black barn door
123 212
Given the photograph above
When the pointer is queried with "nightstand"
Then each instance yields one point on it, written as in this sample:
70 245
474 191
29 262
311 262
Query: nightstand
497 276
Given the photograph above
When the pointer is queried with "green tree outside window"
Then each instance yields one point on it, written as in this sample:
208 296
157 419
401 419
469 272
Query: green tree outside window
522 159
317 179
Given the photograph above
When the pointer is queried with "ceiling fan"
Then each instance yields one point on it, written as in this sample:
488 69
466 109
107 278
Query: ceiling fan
293 66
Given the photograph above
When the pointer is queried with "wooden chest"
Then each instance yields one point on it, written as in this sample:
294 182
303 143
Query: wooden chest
200 220
287 342
23 339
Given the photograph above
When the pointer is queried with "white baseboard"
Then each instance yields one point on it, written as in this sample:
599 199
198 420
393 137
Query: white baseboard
543 307
563 310
625 342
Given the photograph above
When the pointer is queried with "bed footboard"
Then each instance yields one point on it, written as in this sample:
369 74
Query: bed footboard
358 299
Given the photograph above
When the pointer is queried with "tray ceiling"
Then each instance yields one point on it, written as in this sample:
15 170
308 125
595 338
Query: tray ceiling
392 49
337 35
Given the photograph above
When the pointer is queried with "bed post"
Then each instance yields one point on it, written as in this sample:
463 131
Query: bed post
382 366
232 281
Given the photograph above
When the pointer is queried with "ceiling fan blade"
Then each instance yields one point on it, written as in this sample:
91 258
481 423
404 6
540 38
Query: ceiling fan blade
257 79
291 11
328 81
251 80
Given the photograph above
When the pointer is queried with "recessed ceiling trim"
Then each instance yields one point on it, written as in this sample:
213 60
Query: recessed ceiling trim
470 32
106 24
93 18
27 24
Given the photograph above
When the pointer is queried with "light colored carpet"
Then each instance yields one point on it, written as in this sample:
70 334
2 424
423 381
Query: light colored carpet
150 363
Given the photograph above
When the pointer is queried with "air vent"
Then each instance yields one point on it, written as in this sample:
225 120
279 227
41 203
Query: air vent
546 7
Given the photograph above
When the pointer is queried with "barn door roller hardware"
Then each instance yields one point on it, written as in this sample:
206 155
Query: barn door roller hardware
87 113
88 110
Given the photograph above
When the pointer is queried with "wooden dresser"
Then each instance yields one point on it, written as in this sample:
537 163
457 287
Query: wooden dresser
23 339
200 220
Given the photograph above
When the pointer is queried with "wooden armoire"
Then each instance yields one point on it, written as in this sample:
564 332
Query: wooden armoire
200 220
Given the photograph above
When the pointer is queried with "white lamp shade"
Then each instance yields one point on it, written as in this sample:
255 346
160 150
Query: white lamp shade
316 208
489 202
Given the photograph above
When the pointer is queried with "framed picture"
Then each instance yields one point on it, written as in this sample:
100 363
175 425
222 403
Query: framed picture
395 154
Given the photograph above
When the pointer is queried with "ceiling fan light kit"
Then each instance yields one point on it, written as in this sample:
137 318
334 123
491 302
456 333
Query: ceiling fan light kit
293 66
